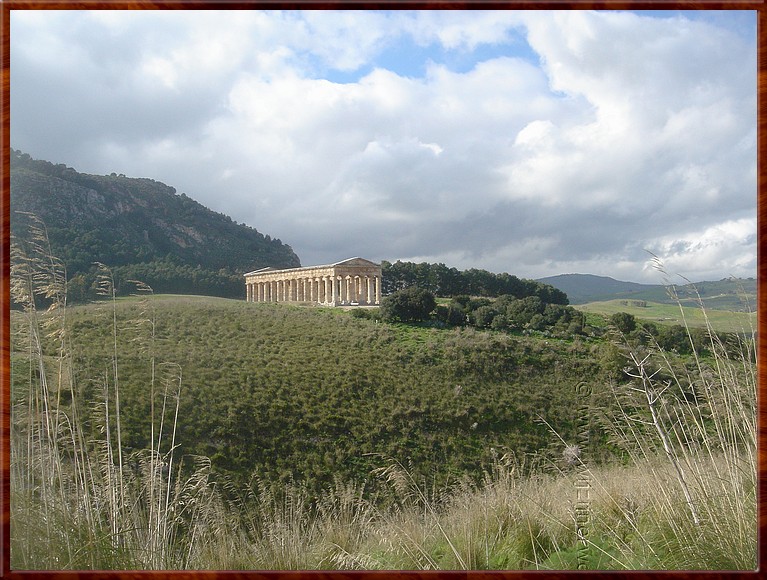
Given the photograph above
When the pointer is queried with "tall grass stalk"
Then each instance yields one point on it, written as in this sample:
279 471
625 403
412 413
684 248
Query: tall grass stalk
74 503
702 418
106 287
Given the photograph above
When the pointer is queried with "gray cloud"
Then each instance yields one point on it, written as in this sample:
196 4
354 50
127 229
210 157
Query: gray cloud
620 134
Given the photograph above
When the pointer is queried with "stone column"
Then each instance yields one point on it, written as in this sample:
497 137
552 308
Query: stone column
360 290
378 289
334 290
365 289
349 289
371 290
360 297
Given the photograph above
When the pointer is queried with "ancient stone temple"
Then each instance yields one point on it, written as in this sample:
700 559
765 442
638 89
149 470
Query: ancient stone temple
353 282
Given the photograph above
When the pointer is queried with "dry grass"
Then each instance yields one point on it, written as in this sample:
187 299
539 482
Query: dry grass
75 503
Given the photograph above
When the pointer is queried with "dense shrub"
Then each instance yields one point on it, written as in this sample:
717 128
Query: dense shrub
623 321
408 305
450 314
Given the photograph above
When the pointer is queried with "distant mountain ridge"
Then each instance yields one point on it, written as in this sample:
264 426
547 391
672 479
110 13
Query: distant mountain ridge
140 227
583 288
726 294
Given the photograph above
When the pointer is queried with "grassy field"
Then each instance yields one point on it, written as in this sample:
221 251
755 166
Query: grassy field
307 394
693 316
203 433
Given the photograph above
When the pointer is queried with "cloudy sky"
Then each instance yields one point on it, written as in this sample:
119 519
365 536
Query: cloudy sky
535 143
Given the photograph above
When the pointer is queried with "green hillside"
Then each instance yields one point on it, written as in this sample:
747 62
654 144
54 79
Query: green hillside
141 228
309 393
671 314
736 294
582 288
185 432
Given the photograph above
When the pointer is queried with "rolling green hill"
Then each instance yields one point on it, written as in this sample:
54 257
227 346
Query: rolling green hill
309 393
736 294
141 228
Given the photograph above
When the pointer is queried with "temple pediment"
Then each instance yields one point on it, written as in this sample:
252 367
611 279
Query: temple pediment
357 262
261 270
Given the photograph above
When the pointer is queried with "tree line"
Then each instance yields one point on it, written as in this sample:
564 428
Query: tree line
446 282
166 276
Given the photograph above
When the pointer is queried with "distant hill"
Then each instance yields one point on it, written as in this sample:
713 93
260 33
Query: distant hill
583 288
726 294
141 228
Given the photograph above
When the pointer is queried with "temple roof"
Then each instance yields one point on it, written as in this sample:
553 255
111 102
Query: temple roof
356 261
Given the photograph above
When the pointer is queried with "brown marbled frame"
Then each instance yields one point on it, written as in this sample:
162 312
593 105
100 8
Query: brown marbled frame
6 5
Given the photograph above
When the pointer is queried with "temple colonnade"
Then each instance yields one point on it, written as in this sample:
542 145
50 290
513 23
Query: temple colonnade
352 282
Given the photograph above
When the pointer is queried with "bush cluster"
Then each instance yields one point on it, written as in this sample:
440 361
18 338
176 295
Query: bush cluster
676 338
506 313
